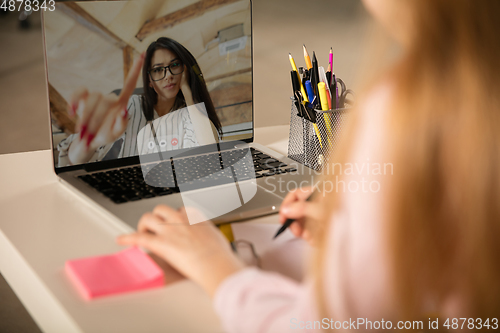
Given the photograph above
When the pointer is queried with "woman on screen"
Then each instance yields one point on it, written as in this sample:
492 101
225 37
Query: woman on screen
424 243
175 102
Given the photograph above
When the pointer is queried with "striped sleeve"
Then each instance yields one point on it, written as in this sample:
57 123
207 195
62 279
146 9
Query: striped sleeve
189 137
136 121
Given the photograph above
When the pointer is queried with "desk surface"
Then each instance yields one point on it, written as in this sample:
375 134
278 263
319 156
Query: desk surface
43 224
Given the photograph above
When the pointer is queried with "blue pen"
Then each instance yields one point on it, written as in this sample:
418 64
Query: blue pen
310 92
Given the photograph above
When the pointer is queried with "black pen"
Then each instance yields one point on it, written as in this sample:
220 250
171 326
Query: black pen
315 78
289 222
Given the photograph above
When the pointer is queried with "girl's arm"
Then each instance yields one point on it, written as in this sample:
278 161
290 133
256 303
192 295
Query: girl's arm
355 273
104 117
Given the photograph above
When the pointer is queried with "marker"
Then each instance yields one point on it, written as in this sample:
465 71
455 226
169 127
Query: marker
331 59
294 67
334 90
315 76
310 93
326 116
323 78
324 107
322 94
307 58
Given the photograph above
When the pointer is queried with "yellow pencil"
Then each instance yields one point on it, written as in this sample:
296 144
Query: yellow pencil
304 96
318 134
227 231
307 58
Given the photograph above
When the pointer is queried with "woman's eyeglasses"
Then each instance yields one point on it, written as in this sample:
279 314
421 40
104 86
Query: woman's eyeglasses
158 73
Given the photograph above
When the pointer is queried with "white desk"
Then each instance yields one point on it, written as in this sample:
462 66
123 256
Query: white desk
43 224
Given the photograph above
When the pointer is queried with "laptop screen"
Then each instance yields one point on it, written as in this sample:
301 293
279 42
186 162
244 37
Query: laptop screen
194 86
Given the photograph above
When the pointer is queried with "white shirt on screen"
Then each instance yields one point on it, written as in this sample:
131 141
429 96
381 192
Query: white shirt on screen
184 128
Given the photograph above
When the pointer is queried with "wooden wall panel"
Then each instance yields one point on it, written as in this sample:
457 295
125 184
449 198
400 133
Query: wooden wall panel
59 111
79 58
128 61
57 24
231 99
184 14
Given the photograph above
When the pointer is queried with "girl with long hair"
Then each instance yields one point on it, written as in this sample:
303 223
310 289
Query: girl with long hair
421 245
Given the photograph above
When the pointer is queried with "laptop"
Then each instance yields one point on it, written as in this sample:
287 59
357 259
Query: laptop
91 44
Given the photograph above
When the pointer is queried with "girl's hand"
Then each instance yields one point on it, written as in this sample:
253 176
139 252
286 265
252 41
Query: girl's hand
295 206
200 251
104 117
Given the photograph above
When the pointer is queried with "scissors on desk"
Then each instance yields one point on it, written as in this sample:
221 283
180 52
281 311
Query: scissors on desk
344 92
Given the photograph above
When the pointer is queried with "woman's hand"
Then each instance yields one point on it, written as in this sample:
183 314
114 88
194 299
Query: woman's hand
295 207
104 117
200 251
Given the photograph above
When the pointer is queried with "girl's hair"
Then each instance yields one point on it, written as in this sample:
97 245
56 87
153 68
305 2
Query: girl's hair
444 128
196 81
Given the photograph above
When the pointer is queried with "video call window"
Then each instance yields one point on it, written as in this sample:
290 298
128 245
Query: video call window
92 45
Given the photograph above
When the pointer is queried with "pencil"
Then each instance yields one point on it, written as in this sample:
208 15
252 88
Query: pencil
318 134
304 95
307 58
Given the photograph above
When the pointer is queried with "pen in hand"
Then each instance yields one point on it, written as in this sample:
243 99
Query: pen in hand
289 222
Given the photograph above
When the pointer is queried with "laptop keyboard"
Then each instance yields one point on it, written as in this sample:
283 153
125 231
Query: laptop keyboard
184 174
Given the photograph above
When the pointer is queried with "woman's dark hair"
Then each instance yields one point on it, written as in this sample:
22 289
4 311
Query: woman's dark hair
196 81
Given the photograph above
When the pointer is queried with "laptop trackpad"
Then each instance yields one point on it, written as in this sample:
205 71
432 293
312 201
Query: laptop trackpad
232 203
263 203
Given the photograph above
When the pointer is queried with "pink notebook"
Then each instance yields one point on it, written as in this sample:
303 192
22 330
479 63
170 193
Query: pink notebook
125 271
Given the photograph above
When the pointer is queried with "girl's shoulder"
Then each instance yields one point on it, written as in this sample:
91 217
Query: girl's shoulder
182 112
135 99
179 117
134 103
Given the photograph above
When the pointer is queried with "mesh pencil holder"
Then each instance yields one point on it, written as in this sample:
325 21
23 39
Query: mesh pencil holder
312 146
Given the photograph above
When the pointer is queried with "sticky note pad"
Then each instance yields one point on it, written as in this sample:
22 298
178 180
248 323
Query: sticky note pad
122 272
